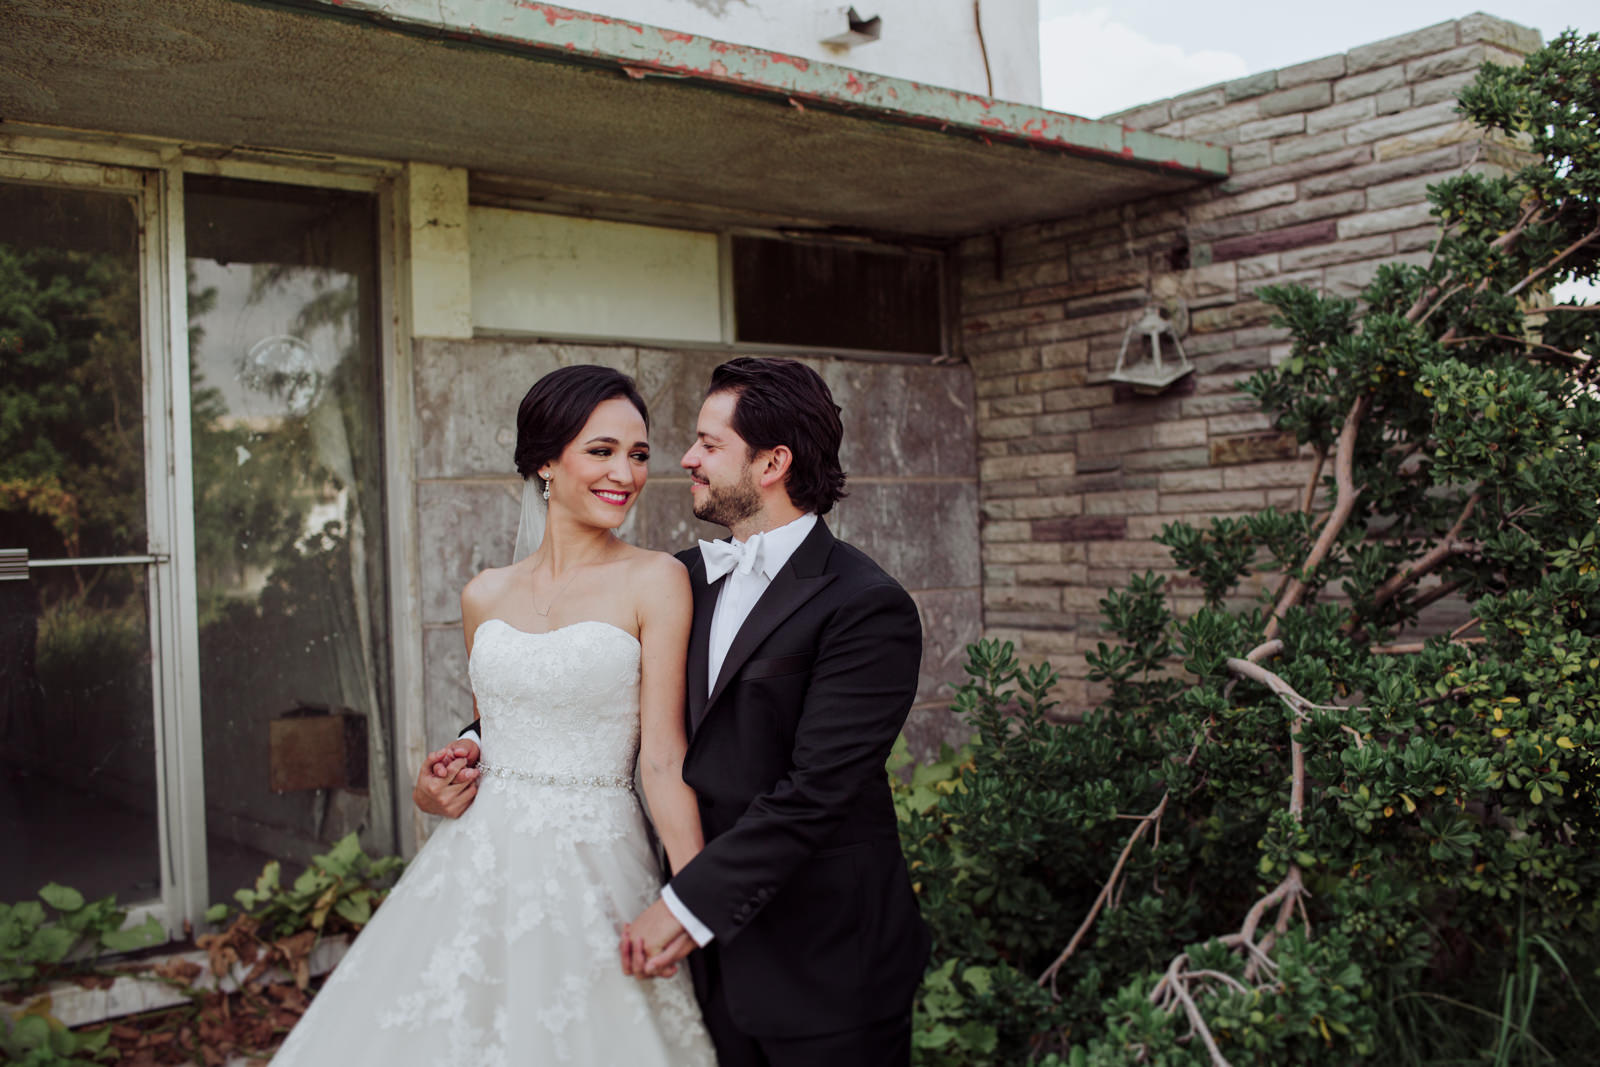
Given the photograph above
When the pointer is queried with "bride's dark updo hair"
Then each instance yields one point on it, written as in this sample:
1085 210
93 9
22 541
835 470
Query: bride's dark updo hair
554 411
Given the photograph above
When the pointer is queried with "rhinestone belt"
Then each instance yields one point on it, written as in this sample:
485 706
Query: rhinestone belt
593 781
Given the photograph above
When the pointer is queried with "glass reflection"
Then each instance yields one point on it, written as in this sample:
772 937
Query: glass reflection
78 797
288 519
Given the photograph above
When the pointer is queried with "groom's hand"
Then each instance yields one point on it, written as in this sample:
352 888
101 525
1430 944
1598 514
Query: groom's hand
448 780
654 943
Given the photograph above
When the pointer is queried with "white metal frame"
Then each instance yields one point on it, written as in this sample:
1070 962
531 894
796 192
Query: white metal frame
153 171
146 186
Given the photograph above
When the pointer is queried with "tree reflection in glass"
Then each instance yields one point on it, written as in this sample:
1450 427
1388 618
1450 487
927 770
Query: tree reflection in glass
77 727
288 508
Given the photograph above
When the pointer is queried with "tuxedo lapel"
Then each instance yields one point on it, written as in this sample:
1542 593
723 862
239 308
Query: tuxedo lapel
802 578
705 603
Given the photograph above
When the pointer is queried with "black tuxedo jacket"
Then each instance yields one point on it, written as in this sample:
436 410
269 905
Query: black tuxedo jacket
802 879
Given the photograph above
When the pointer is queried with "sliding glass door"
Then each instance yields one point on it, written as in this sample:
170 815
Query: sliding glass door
195 653
79 796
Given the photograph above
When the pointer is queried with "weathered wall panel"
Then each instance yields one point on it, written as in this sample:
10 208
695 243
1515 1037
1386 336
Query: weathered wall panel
908 448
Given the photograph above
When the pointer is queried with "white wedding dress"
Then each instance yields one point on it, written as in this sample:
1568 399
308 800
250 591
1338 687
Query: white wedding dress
498 946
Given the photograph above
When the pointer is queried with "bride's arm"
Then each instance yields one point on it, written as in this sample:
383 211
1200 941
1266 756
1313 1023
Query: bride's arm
666 607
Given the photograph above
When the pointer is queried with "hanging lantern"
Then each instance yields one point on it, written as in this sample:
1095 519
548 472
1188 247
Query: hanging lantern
1144 368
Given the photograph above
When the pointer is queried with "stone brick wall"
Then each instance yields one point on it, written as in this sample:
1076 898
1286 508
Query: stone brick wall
1330 163
913 501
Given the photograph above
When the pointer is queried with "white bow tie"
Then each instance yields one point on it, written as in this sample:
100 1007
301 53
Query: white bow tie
725 557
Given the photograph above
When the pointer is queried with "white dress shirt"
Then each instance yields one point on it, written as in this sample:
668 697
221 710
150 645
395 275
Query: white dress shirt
735 600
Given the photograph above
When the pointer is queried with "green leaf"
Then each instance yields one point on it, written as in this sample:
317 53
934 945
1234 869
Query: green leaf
51 944
30 1032
61 897
144 935
357 912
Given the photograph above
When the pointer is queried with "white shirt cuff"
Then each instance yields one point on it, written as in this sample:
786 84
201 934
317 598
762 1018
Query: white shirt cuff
475 736
680 911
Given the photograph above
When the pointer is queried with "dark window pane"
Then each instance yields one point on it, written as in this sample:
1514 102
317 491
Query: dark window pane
831 296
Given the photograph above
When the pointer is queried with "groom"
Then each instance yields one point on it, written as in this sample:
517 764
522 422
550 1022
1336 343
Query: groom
802 666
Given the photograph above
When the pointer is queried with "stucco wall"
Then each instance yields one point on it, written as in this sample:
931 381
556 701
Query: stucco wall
913 501
1331 162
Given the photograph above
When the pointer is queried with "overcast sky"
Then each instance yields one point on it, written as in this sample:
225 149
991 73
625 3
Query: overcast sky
1098 58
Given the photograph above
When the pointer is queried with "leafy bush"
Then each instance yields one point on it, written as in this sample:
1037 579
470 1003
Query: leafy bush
1293 832
34 947
33 1041
344 884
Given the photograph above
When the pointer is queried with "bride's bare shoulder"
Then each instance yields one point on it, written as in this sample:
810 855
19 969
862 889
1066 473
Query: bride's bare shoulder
648 565
487 587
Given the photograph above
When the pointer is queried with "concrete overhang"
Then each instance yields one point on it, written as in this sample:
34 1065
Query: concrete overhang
549 104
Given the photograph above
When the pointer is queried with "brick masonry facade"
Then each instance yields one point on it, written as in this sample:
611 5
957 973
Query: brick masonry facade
1331 160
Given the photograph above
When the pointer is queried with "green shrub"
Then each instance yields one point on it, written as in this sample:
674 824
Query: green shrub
1295 831
343 884
36 947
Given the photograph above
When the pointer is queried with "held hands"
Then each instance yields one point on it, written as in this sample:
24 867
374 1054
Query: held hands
448 780
653 943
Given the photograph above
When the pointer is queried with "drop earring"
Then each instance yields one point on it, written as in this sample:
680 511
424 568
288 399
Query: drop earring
546 487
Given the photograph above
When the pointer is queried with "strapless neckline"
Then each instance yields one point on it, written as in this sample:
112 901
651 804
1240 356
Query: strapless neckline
549 633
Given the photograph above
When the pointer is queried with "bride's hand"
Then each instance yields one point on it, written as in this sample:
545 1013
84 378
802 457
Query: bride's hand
446 785
635 957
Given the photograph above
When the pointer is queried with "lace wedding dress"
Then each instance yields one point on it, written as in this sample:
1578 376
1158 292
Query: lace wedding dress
499 944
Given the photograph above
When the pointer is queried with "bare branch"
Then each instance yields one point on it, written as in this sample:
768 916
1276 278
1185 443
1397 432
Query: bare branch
1050 972
1563 254
1448 546
1344 504
1539 346
1198 1021
1310 493
1445 296
1411 648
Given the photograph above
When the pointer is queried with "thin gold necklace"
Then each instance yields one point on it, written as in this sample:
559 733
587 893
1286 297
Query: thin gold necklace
562 589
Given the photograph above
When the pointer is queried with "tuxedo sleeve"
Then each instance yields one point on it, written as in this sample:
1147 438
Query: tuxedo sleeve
860 690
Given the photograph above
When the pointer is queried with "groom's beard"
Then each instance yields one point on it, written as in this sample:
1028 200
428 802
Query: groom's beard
725 507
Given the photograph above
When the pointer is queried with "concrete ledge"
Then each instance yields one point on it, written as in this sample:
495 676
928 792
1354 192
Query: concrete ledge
135 993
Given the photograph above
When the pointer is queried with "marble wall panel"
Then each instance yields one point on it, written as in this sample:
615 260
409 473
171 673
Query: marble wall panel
464 527
951 620
447 695
904 420
924 533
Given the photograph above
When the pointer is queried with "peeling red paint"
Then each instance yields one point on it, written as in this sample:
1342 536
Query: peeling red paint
552 15
844 91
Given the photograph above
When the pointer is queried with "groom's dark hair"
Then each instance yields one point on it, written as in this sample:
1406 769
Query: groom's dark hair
781 402
554 411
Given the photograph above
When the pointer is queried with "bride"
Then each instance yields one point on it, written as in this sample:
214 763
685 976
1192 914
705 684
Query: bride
499 944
